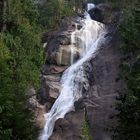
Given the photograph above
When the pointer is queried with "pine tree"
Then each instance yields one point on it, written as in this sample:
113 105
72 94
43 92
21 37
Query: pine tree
20 59
128 104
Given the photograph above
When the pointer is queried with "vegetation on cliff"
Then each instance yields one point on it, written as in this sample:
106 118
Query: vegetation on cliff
129 117
86 134
52 12
21 21
128 104
20 60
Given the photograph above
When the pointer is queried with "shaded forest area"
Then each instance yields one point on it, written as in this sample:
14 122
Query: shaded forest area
21 55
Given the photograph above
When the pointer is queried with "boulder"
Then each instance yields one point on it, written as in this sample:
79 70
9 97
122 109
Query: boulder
43 94
66 55
64 39
38 110
47 69
54 89
70 127
58 46
50 89
104 13
96 14
39 118
67 24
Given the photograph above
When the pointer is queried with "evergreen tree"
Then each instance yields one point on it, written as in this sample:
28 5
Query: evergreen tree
128 104
20 59
52 12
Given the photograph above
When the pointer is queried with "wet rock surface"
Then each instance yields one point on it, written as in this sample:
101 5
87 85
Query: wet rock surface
105 13
70 127
98 102
100 87
104 91
38 109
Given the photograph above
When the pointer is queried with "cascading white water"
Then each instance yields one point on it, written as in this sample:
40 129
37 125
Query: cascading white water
90 36
90 6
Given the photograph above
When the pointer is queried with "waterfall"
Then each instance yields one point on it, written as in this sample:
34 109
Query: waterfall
90 6
91 35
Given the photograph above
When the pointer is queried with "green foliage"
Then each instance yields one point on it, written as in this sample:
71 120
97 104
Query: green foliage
128 104
51 12
20 59
86 131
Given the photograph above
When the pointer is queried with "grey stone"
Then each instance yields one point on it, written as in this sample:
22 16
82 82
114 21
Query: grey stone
99 82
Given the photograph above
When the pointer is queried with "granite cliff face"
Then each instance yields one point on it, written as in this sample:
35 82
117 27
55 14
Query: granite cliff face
97 103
